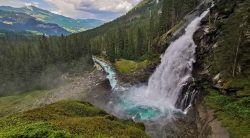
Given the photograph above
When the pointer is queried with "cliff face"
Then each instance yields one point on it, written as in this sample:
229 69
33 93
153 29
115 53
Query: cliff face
223 43
222 69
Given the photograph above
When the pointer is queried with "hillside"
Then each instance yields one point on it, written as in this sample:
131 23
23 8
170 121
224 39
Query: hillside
21 22
69 24
134 35
68 119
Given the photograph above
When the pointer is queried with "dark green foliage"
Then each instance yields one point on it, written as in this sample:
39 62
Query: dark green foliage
36 62
165 19
131 36
29 62
173 11
231 57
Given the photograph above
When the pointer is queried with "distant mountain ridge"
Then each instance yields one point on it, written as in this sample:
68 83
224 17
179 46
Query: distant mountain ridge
69 24
21 22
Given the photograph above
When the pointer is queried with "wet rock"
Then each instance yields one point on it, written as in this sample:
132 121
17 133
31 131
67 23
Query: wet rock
216 78
205 20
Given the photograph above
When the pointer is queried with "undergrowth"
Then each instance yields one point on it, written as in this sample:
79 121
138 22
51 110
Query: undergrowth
68 119
232 111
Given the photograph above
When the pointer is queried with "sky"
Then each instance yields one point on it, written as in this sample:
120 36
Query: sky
79 9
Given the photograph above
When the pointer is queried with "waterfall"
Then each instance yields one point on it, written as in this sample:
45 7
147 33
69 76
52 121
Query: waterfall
167 82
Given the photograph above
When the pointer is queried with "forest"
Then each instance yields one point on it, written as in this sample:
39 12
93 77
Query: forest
27 60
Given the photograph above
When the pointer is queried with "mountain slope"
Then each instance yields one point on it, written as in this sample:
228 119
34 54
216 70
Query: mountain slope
20 22
68 119
131 37
71 25
134 35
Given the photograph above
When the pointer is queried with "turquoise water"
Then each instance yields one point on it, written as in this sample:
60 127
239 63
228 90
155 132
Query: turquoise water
145 113
159 97
138 112
111 75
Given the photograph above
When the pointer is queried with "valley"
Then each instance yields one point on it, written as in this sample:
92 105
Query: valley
43 21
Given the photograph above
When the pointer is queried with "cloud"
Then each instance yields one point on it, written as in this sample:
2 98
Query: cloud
101 9
14 3
32 4
18 3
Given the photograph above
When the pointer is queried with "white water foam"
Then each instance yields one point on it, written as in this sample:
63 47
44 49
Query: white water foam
174 72
111 75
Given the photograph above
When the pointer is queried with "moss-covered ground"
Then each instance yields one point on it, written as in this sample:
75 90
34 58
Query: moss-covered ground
68 119
130 66
232 111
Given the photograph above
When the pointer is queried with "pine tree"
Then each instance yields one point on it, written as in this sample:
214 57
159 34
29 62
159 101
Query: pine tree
166 16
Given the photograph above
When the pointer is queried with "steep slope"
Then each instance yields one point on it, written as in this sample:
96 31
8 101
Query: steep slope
223 65
71 25
21 22
68 119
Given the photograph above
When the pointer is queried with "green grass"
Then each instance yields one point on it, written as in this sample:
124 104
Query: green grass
19 102
68 119
130 66
231 111
34 130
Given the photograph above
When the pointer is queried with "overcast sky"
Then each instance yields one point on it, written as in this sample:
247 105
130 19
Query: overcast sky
82 9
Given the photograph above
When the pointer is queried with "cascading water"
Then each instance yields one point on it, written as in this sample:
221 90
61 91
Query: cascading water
165 86
111 75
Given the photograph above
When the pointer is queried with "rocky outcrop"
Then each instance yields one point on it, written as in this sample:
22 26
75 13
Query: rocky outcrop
206 39
137 77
